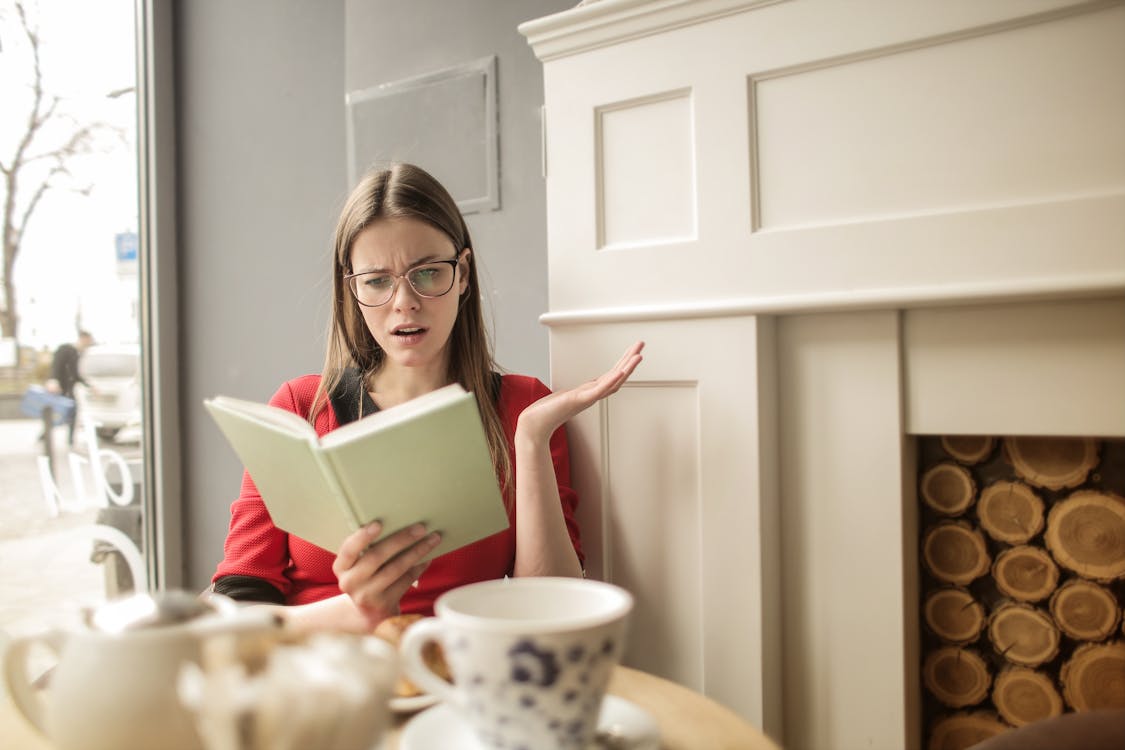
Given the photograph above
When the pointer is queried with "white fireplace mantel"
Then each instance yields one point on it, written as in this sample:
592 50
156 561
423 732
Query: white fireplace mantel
606 22
836 225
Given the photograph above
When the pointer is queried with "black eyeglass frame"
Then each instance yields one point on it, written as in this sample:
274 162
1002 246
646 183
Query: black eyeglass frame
404 275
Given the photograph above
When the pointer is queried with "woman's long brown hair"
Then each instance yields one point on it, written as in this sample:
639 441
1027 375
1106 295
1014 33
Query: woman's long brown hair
404 190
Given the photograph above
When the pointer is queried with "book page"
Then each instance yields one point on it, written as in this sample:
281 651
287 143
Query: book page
434 468
287 473
266 414
400 413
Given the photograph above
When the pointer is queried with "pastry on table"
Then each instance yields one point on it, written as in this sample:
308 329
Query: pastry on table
391 630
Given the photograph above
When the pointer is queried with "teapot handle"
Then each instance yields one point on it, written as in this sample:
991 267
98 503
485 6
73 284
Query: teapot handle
25 696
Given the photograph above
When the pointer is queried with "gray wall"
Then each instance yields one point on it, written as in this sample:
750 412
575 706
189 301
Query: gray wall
388 41
261 176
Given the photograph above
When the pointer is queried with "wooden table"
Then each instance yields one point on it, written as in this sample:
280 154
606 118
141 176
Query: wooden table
687 720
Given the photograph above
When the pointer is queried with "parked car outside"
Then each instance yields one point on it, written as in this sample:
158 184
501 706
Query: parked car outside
110 398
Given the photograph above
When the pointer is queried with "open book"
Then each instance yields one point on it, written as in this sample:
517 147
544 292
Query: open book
424 460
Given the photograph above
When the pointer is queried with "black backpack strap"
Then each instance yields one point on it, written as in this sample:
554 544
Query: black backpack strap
497 379
349 393
349 396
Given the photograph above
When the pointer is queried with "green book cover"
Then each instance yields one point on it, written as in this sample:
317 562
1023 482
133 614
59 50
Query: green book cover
424 460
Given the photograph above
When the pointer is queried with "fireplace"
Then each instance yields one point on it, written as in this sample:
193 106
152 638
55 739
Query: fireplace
899 431
1022 581
867 225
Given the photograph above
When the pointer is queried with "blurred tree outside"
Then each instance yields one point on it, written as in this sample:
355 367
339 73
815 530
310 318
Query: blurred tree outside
39 144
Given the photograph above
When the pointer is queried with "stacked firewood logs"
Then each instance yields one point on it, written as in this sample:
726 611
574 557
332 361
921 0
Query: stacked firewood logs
1023 582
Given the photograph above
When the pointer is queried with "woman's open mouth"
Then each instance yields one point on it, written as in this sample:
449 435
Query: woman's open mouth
409 334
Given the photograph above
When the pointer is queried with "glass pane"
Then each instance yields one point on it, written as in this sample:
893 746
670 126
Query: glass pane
71 479
109 362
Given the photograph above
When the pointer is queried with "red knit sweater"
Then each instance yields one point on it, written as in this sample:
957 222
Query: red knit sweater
303 572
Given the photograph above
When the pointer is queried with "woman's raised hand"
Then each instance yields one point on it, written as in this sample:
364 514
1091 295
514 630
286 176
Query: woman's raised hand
539 421
375 575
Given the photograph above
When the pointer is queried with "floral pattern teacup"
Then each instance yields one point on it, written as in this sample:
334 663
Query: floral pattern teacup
530 657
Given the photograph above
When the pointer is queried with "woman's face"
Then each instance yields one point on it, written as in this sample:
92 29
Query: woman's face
412 330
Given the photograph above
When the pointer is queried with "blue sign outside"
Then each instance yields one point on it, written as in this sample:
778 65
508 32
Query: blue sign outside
126 246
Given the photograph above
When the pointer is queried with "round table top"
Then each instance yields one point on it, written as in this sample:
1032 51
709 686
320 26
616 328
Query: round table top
687 719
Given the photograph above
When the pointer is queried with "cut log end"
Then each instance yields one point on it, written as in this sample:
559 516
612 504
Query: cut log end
1025 573
1086 534
968 449
1084 610
1094 677
948 488
957 677
963 730
1010 512
955 553
1052 462
953 615
1023 696
1023 635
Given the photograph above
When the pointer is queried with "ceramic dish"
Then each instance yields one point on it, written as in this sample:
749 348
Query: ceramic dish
408 705
622 725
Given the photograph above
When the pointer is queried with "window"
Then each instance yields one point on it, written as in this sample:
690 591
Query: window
75 498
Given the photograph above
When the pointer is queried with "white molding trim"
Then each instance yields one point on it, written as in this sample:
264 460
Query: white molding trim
1022 290
910 45
607 22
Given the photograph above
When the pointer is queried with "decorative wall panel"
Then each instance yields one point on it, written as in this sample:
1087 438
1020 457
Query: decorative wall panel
653 519
982 370
646 142
677 498
448 115
893 152
845 572
1022 114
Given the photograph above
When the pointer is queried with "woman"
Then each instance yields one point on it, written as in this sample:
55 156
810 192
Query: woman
407 320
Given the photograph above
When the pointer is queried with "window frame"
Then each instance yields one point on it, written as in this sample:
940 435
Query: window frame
162 510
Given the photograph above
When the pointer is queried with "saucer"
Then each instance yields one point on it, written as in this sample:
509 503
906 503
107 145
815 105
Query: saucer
413 703
627 726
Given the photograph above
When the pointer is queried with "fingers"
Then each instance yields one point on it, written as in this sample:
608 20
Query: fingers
632 354
354 545
537 422
381 565
624 367
377 595
378 603
612 384
612 380
391 556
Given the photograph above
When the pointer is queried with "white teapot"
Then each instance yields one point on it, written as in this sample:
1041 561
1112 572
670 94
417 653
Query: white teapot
114 687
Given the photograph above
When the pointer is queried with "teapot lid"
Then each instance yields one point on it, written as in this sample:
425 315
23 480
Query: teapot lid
148 610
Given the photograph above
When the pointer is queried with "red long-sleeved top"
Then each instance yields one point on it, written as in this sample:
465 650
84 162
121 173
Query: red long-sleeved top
302 571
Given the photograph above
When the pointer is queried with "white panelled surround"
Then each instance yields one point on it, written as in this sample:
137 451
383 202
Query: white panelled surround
836 225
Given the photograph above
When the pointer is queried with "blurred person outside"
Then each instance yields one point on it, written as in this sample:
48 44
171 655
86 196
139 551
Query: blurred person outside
65 376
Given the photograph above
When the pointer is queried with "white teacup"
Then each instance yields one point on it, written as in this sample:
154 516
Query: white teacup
530 657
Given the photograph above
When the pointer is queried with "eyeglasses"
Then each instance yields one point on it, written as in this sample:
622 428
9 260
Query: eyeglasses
375 288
